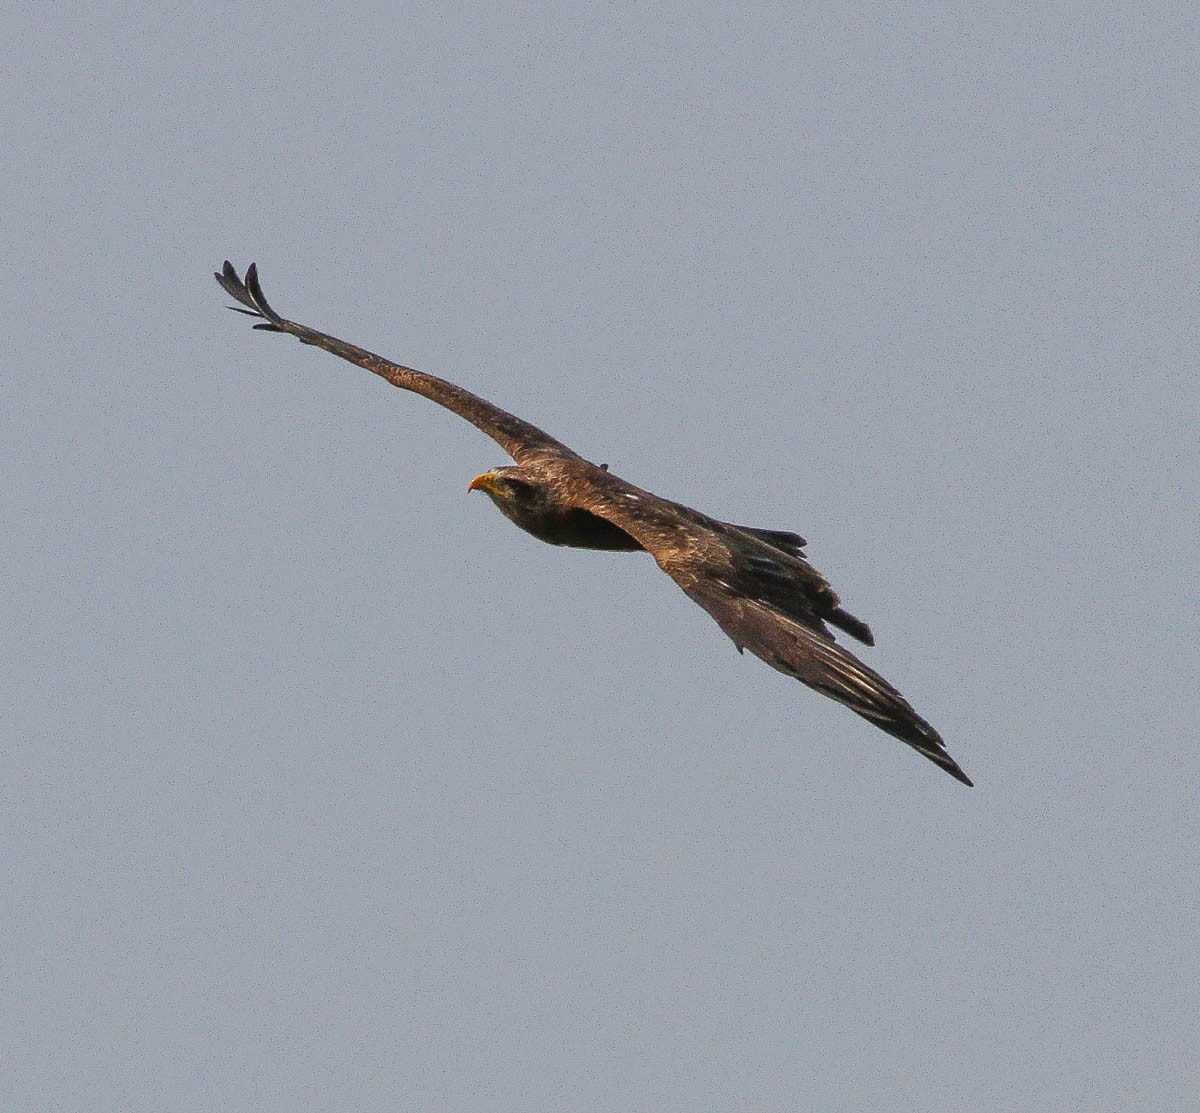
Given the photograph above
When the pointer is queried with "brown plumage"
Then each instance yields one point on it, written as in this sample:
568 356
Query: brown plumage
756 583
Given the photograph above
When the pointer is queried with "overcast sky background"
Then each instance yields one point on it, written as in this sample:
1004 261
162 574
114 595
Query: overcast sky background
324 788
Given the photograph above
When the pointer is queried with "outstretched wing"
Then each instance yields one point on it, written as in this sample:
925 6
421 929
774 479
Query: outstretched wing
769 601
518 438
800 647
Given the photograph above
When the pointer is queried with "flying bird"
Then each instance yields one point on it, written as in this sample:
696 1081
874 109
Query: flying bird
756 583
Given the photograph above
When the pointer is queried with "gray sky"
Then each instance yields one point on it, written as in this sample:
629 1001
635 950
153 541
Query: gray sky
326 789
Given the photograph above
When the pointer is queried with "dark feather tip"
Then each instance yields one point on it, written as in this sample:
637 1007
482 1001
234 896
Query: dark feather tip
958 774
259 298
231 284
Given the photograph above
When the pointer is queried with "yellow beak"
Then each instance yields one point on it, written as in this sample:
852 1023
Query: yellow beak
483 482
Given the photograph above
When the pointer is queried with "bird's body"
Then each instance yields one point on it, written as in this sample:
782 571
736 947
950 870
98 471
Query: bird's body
757 584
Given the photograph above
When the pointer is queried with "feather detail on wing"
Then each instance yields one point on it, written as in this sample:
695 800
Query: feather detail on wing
517 437
773 603
807 652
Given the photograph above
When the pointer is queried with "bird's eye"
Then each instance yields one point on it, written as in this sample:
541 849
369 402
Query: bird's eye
517 489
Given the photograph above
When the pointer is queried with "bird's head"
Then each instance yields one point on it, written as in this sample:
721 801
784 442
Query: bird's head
519 499
531 503
503 485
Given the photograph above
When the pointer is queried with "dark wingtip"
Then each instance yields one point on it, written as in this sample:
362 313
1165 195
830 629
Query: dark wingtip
958 774
929 743
260 300
934 748
249 293
909 727
228 280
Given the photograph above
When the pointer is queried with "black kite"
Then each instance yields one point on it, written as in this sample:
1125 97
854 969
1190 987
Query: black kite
756 583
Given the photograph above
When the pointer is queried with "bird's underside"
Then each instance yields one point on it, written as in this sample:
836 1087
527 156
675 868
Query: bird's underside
757 584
